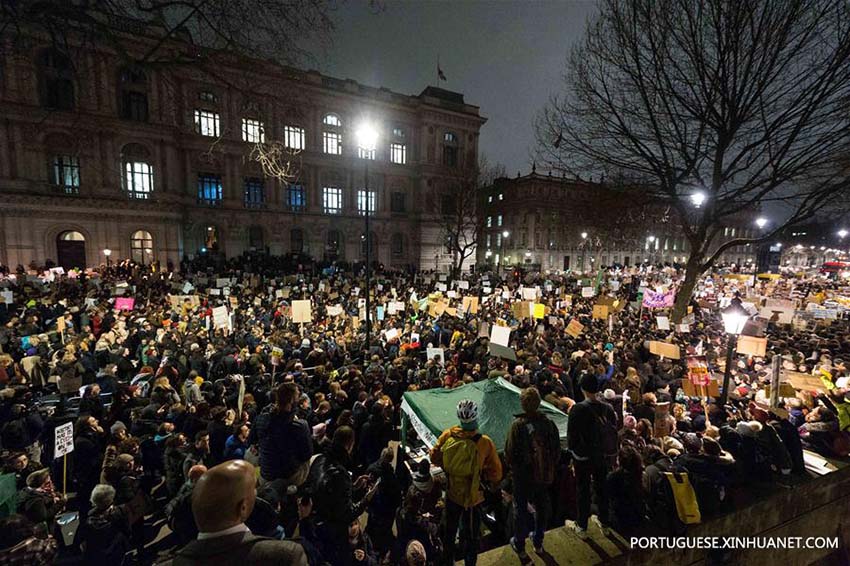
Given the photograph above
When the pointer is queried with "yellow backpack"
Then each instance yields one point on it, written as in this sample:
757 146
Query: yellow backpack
685 496
461 464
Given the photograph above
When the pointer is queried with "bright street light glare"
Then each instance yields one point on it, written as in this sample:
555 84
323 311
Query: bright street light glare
650 238
842 233
761 222
505 234
698 198
366 136
584 235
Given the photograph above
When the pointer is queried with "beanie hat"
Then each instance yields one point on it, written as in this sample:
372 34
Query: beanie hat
609 394
117 426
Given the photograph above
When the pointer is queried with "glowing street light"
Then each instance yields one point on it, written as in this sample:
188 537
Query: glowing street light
366 136
734 319
584 235
107 252
698 198
842 233
761 222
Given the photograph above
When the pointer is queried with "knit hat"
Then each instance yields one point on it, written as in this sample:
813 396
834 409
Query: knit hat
609 394
116 427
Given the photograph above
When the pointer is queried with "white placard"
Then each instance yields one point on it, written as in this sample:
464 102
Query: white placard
222 282
8 297
463 284
529 293
500 335
335 310
63 439
438 352
221 319
441 287
663 322
588 291
391 334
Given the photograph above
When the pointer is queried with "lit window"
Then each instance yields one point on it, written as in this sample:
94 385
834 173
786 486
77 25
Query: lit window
138 179
397 202
501 196
366 153
332 120
141 246
489 222
207 96
332 200
207 123
332 142
255 193
293 137
398 153
66 173
498 239
499 220
449 137
295 197
253 131
488 240
209 189
362 202
490 198
398 132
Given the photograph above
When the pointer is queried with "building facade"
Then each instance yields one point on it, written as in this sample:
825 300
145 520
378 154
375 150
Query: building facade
160 163
553 223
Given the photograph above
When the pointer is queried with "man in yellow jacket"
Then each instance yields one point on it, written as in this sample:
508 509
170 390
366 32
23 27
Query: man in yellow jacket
466 456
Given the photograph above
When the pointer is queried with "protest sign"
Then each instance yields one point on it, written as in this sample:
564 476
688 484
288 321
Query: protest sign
470 304
500 335
662 322
574 328
334 310
221 318
539 310
752 345
664 349
502 352
436 353
588 292
63 439
600 312
125 303
391 334
302 311
658 300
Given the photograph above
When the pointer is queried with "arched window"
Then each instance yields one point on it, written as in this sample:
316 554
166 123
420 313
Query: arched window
133 92
371 245
332 120
296 241
72 236
256 239
138 171
55 80
141 246
397 245
71 249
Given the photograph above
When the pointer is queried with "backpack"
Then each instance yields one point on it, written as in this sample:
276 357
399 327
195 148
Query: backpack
609 439
685 496
536 451
460 462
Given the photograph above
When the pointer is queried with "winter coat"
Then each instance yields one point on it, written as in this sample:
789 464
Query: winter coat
285 442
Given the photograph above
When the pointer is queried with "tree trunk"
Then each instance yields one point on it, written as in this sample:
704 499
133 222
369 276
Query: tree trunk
693 270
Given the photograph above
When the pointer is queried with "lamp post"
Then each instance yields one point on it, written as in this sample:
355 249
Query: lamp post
107 252
583 249
698 198
650 240
505 235
734 318
367 141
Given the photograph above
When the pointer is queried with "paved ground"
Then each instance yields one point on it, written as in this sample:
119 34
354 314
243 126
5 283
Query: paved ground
562 548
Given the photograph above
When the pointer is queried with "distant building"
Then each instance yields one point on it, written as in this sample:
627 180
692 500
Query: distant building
556 223
811 245
155 163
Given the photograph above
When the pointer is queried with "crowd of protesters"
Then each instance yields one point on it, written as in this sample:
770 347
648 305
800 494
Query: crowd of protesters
259 439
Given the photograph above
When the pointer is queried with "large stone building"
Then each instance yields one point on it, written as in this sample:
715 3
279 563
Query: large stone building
556 223
157 163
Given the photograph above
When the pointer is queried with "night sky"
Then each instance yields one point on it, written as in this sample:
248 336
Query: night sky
506 56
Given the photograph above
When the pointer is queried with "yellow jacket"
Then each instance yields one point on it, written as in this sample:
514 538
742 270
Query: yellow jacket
488 458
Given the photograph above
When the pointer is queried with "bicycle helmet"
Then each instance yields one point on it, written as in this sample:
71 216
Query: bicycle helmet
467 411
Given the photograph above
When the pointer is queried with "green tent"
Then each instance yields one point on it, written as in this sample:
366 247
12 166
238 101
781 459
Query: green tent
432 411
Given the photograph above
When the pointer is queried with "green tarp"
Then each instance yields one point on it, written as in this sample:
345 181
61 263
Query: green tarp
432 411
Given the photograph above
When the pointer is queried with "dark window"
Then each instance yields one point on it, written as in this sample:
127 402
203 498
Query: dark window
449 156
397 245
56 80
209 189
397 202
255 193
255 237
296 198
134 95
447 205
296 241
66 173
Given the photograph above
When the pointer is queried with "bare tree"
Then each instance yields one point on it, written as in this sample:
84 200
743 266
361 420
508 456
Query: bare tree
744 102
457 202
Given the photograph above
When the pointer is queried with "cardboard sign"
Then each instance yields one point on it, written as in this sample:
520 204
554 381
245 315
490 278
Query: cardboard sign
662 322
600 312
529 293
500 335
125 303
522 309
63 439
334 310
664 349
574 328
222 282
463 284
391 334
691 390
470 305
698 370
302 311
588 292
752 346
221 318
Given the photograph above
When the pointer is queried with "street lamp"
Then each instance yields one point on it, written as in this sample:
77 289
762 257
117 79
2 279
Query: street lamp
842 233
505 235
761 222
367 140
107 252
734 318
698 198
